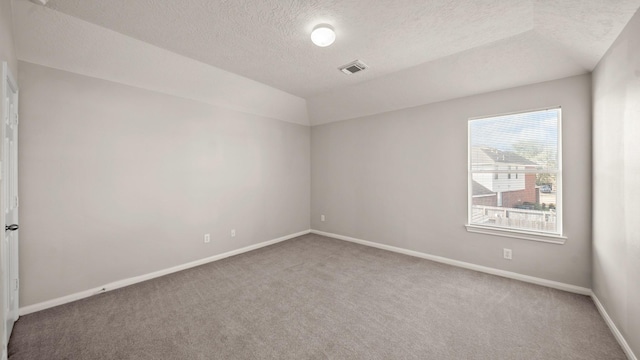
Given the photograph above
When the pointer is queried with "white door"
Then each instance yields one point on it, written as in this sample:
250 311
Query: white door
10 198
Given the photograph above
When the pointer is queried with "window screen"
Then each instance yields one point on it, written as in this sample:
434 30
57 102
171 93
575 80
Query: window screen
515 172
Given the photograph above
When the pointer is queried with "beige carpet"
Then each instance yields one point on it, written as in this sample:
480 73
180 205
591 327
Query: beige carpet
319 298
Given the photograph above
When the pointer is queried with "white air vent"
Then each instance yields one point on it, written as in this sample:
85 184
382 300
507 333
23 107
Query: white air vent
353 67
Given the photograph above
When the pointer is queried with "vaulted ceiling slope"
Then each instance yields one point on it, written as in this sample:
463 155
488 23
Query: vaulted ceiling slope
57 40
443 48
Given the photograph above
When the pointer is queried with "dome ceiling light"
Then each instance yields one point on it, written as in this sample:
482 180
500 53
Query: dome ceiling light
323 35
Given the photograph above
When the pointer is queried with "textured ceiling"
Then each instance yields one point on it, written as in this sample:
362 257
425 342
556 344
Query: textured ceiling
268 40
418 51
523 59
53 39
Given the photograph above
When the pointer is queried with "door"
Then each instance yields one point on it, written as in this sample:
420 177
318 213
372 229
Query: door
10 198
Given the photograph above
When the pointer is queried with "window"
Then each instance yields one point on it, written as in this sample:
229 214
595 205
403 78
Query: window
530 144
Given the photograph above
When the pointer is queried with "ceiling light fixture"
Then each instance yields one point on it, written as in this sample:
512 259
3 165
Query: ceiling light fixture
323 35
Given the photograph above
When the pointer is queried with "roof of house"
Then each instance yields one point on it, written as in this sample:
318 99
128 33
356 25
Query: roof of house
478 189
490 155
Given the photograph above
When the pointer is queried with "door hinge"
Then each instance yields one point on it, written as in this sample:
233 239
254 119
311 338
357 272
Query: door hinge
17 201
17 284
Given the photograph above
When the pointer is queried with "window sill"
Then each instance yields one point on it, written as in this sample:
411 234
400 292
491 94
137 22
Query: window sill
547 238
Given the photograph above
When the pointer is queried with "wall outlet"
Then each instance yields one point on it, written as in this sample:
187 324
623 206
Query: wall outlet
507 254
321 217
233 232
207 238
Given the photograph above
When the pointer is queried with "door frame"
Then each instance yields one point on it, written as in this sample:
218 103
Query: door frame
8 84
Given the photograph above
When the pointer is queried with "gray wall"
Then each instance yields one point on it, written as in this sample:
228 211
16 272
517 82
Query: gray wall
616 182
118 181
400 179
7 53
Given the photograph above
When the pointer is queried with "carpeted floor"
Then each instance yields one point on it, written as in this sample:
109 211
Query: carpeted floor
314 297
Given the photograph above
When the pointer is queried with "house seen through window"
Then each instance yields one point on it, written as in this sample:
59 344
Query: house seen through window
515 172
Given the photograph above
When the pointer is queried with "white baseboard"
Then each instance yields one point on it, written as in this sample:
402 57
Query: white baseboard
462 264
614 329
137 279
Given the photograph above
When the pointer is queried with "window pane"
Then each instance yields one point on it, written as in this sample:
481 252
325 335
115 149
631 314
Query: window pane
514 171
526 204
527 140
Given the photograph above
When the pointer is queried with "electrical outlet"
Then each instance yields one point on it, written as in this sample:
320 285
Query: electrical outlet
321 217
207 238
507 254
233 232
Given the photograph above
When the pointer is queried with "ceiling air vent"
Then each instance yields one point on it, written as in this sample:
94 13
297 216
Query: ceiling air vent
353 67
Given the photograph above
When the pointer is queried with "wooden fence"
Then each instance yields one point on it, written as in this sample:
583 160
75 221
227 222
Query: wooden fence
514 218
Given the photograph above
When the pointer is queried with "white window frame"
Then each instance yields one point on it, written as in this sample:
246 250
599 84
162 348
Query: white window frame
556 237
